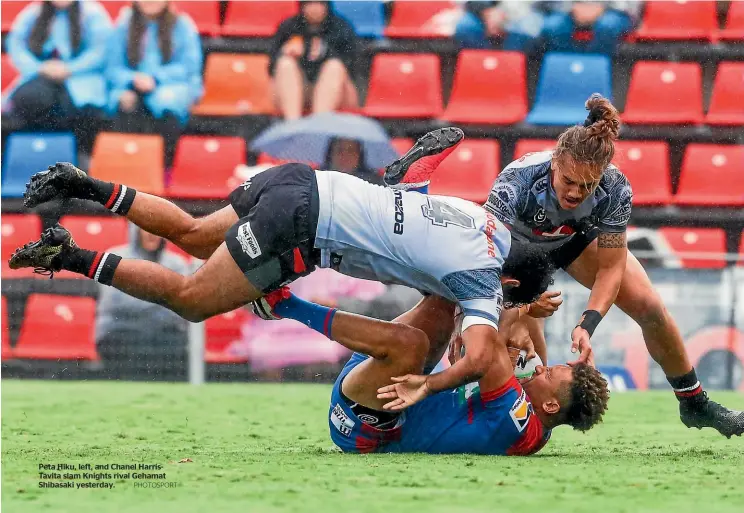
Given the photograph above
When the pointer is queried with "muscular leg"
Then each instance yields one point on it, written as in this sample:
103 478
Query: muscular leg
638 298
217 287
434 316
395 349
199 237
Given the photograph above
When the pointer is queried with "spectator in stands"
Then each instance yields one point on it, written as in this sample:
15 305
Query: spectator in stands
608 21
136 338
155 70
59 49
516 24
315 50
347 156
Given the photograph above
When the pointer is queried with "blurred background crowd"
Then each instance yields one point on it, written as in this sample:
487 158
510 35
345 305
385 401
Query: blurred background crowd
183 99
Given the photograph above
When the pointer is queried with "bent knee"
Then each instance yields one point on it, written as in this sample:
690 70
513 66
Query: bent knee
191 303
411 344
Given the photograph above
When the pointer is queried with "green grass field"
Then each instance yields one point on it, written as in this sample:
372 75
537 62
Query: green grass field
265 448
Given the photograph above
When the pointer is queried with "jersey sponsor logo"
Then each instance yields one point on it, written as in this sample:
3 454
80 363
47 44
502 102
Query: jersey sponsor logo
561 231
248 241
342 421
246 185
490 229
399 216
521 411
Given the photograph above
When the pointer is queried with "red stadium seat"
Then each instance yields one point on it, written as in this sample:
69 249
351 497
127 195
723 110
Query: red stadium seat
9 12
206 15
489 88
97 233
6 351
113 7
257 19
525 146
57 328
203 167
221 331
711 175
469 171
411 19
17 230
727 100
646 165
404 86
94 233
734 23
402 144
696 240
678 21
133 159
236 84
665 92
8 73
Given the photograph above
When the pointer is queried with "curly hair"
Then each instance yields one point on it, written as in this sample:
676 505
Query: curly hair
593 143
532 267
588 396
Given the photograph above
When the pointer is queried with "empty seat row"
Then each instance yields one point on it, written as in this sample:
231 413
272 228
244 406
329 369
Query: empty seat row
682 20
204 167
72 320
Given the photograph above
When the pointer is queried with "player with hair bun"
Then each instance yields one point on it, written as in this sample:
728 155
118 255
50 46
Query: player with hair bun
575 204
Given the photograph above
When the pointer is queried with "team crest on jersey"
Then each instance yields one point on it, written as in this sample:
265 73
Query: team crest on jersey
540 216
246 185
521 412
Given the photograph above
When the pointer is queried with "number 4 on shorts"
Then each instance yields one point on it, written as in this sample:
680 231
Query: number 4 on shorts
444 214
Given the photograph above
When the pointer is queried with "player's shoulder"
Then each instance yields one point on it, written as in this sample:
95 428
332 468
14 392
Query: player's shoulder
536 162
512 400
613 180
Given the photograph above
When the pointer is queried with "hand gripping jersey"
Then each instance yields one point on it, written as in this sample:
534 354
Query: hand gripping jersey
460 421
523 198
445 246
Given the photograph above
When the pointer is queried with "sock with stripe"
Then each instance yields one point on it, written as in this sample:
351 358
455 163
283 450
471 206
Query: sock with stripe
96 265
687 387
317 317
114 196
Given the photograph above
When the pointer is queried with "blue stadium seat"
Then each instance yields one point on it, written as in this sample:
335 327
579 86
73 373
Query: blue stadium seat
367 18
566 81
26 154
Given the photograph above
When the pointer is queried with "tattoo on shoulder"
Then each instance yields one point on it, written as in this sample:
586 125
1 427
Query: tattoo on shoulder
611 240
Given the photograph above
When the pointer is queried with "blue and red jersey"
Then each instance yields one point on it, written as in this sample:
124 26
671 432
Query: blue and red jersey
464 420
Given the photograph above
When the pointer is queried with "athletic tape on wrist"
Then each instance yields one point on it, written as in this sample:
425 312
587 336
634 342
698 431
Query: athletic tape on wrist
590 320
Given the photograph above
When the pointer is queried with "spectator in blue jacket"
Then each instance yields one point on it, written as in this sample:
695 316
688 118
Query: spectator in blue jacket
154 70
59 49
608 21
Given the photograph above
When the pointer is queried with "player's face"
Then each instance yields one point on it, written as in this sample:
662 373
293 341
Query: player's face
573 182
544 386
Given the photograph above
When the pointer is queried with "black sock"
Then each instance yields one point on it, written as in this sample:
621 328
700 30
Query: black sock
93 264
114 196
687 387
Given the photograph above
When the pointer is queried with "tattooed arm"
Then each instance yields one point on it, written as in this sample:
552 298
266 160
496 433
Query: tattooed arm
612 254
